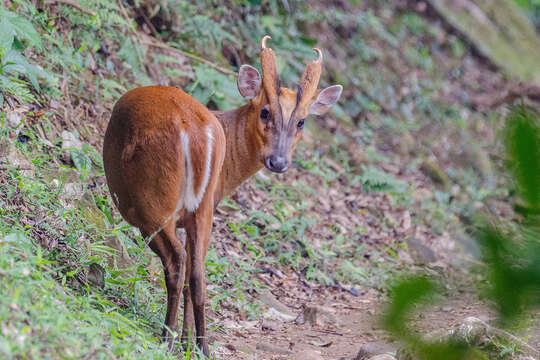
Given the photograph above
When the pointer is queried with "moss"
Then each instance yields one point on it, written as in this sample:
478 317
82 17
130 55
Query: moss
500 31
434 172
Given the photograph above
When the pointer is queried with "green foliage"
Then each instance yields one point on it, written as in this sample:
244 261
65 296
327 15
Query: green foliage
528 4
514 286
375 179
404 296
522 145
216 87
16 30
96 59
208 32
31 330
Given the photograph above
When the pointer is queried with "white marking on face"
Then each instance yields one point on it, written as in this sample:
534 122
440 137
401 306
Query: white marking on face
188 199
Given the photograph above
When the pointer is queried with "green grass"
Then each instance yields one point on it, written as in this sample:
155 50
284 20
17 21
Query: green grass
57 221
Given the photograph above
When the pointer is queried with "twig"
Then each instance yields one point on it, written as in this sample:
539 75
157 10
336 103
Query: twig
331 332
191 56
6 167
528 349
133 30
148 22
74 4
512 92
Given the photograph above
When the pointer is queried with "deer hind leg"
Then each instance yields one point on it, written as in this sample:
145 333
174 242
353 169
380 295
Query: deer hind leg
173 257
198 228
188 326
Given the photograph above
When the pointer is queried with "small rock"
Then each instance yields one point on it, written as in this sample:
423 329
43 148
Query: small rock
308 355
121 258
274 349
231 324
66 157
354 291
70 141
14 118
405 353
277 310
315 316
371 349
70 193
405 257
447 308
420 253
470 330
96 275
273 314
269 325
11 156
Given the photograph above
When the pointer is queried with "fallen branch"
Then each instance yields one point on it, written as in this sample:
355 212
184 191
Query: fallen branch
191 56
72 3
512 92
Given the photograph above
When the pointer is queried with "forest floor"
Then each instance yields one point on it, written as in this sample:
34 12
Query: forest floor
344 325
390 183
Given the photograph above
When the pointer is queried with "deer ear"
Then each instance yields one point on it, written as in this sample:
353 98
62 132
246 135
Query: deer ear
325 100
249 81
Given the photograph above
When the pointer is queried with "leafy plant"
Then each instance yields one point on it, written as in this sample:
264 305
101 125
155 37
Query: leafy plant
13 63
375 179
514 287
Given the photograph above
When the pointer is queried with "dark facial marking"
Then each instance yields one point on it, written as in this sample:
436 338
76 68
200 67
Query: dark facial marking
298 95
265 115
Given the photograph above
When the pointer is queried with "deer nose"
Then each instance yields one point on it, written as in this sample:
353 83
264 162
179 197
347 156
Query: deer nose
277 163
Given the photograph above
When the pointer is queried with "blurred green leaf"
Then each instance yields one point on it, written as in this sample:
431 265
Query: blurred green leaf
403 298
523 147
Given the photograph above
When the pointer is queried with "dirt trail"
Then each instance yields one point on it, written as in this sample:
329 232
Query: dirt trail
346 323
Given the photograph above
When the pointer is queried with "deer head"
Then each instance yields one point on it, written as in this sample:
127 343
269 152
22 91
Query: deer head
278 114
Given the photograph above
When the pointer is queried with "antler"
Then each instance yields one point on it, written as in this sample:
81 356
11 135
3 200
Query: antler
270 77
263 41
310 79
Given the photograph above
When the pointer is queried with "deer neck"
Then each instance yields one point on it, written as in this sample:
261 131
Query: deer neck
242 155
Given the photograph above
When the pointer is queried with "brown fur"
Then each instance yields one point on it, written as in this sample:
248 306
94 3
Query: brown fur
145 168
144 165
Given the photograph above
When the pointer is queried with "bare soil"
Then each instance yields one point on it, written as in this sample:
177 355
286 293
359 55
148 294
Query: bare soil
354 321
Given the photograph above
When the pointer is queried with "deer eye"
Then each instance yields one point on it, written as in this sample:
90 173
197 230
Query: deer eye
300 124
265 114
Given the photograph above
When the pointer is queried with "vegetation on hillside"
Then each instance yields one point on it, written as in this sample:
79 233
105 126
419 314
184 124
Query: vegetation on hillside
396 163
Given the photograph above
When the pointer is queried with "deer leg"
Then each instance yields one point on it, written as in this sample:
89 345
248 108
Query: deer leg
188 327
198 229
173 257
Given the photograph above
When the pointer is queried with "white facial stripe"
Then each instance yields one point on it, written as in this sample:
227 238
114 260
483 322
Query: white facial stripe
188 199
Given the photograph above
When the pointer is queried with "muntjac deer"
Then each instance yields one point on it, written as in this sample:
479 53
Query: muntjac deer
169 161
